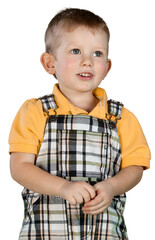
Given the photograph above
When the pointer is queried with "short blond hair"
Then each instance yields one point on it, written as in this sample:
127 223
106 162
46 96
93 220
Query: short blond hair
67 20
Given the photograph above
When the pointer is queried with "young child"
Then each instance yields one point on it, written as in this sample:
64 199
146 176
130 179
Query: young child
75 152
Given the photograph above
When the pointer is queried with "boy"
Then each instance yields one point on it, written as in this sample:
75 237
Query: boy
65 147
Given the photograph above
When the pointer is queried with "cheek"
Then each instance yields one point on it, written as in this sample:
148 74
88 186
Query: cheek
70 62
101 68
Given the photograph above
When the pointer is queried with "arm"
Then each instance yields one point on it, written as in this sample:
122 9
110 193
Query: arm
122 182
34 178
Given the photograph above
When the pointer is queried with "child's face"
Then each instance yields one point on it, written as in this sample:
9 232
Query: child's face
81 60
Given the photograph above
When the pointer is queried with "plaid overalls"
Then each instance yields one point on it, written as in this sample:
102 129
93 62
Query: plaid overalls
77 148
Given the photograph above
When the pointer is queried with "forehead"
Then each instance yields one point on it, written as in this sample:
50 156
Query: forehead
81 34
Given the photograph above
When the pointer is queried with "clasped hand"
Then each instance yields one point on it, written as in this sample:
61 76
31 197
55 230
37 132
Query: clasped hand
96 198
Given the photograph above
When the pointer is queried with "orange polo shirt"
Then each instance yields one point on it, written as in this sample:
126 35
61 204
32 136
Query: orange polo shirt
27 130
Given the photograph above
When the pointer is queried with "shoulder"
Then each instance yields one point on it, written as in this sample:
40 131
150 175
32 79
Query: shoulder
126 113
134 147
30 116
128 121
32 104
128 117
31 108
28 127
129 128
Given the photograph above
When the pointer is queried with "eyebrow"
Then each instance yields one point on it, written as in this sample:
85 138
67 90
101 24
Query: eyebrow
76 45
101 48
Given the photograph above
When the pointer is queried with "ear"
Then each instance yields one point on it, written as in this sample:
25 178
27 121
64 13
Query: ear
108 67
47 60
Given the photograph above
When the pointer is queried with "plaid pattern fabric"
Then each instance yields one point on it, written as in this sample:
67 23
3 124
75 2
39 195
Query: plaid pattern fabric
115 108
48 102
77 148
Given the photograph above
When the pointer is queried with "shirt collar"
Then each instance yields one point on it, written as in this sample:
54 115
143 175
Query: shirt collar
65 107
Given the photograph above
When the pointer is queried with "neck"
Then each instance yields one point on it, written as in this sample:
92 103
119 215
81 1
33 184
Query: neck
86 101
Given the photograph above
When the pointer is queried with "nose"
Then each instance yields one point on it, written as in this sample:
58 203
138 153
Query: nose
86 61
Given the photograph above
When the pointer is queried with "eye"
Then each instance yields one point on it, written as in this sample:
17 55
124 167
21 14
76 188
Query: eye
75 51
97 54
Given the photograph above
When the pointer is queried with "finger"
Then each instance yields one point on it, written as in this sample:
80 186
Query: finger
97 200
72 201
95 207
98 211
78 197
91 191
86 196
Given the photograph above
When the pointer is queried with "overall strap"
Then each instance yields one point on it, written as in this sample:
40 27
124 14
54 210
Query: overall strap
48 102
115 108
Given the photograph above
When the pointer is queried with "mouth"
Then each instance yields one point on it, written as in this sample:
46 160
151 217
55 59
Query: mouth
85 76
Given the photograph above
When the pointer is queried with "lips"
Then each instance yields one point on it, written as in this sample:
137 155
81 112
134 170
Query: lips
85 75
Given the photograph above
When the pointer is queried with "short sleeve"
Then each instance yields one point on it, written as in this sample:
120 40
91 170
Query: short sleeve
27 129
134 147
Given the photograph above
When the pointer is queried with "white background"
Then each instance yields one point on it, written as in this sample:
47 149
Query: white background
131 80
